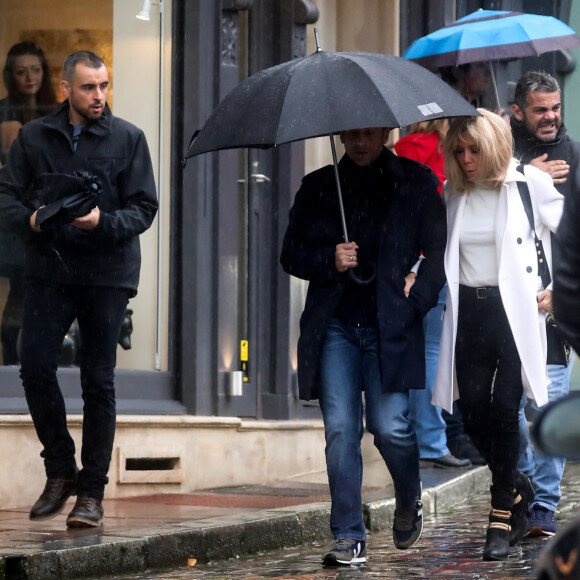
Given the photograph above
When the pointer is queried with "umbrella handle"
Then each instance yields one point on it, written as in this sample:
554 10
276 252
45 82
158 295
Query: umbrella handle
361 281
351 273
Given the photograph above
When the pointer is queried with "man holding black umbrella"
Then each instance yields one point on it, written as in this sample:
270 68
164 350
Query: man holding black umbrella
540 139
83 263
366 336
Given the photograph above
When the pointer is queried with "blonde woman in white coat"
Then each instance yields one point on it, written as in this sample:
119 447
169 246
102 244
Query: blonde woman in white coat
493 345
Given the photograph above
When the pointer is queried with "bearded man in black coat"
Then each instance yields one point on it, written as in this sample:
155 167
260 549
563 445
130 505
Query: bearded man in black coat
540 139
368 336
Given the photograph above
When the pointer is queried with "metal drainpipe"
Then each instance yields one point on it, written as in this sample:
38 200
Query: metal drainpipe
160 178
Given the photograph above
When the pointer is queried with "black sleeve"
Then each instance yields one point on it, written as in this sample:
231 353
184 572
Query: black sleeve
310 243
15 181
566 270
433 237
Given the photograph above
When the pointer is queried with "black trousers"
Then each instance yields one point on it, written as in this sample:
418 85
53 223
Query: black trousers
49 311
489 379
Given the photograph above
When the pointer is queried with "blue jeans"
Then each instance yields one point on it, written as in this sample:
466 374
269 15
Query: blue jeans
48 313
349 363
425 417
545 471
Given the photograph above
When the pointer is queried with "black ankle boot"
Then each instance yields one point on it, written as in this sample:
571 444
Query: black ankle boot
497 539
523 496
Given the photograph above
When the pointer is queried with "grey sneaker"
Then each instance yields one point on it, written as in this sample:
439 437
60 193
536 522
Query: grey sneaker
346 552
408 526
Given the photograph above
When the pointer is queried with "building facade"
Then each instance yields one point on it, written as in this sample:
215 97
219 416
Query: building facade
215 322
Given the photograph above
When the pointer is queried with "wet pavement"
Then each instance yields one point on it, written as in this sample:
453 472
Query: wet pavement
450 548
164 531
247 532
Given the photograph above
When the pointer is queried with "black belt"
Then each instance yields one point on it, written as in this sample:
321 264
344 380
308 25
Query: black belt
481 293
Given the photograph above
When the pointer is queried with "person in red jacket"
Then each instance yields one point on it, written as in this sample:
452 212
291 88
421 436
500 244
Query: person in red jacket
437 448
425 144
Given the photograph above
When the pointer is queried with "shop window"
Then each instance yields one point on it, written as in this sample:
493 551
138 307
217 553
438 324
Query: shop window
132 51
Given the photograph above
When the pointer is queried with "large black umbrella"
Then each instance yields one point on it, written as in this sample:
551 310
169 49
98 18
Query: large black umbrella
323 94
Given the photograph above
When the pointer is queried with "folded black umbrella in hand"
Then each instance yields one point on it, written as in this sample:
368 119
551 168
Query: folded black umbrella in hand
65 211
63 198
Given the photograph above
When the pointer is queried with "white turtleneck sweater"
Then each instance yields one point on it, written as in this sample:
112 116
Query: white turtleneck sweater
477 252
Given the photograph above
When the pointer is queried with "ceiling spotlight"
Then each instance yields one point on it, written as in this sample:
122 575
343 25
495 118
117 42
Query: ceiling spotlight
144 13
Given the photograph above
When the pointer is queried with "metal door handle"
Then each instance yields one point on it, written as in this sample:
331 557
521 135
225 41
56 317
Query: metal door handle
260 178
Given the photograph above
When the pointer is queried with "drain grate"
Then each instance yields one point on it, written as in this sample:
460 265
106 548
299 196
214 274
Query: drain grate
150 464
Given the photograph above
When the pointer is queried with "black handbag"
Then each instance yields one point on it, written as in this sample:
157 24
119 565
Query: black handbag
558 347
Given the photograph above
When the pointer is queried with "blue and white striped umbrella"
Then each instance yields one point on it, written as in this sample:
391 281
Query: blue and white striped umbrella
490 35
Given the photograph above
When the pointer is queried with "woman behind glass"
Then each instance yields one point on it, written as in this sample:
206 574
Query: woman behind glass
30 92
493 344
30 95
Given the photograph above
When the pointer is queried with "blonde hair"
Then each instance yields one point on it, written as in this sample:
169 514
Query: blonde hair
494 140
439 126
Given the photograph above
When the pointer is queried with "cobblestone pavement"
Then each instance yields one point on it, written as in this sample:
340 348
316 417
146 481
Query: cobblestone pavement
450 548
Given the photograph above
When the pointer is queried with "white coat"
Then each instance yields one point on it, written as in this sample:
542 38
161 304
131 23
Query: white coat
517 278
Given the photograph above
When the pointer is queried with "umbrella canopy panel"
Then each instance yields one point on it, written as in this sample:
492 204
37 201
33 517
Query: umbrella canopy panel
325 93
335 92
488 35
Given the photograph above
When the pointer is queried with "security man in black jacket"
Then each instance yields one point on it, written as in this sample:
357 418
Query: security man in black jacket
540 139
86 269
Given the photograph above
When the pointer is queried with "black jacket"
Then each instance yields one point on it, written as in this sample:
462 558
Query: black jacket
528 147
116 152
414 222
566 270
566 242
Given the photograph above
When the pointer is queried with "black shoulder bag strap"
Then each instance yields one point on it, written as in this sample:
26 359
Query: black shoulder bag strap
543 268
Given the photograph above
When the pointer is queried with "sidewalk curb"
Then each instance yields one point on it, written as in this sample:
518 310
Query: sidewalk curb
379 515
168 546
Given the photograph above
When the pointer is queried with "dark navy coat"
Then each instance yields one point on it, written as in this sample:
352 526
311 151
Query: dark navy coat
413 224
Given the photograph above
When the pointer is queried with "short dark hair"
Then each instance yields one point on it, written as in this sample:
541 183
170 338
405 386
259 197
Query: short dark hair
534 81
88 58
447 73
